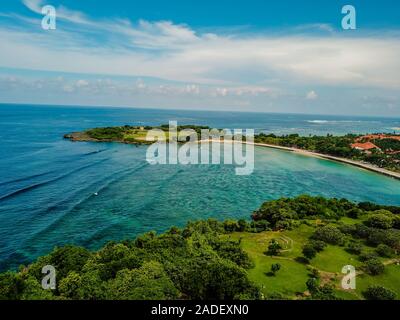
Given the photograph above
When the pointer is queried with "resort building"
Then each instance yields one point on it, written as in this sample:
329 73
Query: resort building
366 147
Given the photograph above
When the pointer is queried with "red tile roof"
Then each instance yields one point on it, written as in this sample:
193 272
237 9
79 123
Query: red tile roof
364 146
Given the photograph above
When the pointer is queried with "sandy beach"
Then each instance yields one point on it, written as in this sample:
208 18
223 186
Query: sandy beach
359 164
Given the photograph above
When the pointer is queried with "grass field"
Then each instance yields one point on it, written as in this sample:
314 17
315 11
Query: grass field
139 135
290 281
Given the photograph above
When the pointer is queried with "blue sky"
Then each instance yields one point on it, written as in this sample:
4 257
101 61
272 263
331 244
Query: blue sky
272 56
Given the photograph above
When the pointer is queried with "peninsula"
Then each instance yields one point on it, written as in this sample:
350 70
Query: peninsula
377 152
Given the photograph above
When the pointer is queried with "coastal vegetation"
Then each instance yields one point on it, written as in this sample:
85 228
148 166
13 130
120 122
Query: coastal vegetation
383 150
292 248
386 154
127 133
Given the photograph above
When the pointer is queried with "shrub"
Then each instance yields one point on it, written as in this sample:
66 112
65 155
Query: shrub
10 286
388 237
315 273
361 231
384 251
354 213
347 228
329 234
312 285
106 133
379 293
231 225
365 256
396 222
354 248
242 225
274 248
374 267
309 252
275 268
380 220
318 245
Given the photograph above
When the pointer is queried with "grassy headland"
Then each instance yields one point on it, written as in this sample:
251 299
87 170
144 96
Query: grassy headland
291 249
125 134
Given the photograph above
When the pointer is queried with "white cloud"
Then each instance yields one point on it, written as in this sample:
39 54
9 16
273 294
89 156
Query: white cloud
82 83
221 92
62 12
177 52
68 88
34 5
312 95
231 66
193 89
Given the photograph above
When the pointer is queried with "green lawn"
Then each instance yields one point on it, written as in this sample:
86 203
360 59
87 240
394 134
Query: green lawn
390 279
333 259
136 134
291 279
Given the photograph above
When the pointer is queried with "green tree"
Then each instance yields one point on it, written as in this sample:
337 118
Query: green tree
381 219
384 251
379 293
275 267
11 286
329 234
274 248
33 290
69 286
374 267
149 282
354 248
312 285
242 225
309 252
231 225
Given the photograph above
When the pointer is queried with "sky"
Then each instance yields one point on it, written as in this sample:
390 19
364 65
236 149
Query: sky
254 55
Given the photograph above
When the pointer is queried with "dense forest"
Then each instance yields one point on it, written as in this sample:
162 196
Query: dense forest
211 259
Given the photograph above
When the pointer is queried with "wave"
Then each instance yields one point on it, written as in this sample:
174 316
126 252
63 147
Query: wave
94 152
317 121
341 121
40 184
72 206
52 225
26 178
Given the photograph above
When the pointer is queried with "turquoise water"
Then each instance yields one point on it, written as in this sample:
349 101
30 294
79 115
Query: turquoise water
47 184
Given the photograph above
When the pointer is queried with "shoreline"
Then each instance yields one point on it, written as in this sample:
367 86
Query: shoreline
358 164
303 152
81 136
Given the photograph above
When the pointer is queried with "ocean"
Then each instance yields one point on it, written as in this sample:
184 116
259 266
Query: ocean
48 185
